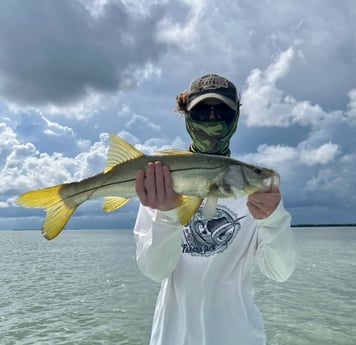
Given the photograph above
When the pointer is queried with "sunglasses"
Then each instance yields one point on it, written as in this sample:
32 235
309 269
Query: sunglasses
211 113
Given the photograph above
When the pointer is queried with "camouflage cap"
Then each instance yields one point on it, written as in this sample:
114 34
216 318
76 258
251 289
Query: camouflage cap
212 86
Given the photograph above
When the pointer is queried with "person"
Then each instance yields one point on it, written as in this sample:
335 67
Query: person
205 267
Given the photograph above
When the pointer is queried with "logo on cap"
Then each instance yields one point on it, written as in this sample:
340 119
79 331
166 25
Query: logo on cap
212 83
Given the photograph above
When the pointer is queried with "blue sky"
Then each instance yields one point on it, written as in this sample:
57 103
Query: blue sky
72 71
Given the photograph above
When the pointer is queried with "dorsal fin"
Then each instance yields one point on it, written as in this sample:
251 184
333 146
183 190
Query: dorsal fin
174 152
120 151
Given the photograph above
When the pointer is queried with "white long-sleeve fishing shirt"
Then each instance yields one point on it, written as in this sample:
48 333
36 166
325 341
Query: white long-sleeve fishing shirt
206 295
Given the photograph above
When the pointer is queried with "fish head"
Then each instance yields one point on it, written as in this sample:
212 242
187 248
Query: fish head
241 179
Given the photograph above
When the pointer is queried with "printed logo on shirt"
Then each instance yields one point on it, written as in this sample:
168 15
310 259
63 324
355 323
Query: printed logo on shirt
206 237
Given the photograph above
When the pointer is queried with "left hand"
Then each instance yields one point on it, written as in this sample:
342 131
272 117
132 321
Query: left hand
262 204
155 187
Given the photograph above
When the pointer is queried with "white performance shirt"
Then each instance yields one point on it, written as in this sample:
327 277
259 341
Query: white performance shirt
206 295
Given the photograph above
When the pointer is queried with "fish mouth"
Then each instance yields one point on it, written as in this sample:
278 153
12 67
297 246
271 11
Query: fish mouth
270 182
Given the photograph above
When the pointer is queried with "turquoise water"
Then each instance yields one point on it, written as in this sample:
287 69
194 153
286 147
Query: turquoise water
84 288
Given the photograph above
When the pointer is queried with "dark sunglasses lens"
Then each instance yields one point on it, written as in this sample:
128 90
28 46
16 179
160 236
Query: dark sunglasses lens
197 115
203 112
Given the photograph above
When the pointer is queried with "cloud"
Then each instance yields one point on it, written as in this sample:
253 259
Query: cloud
266 105
351 112
317 172
27 168
272 155
7 140
278 155
55 129
47 135
34 123
59 53
322 155
123 62
138 122
182 33
333 185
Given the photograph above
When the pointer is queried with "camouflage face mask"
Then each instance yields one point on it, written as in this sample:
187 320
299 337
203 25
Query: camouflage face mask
211 137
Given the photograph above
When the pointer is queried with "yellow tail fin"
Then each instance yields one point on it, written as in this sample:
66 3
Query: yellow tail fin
57 213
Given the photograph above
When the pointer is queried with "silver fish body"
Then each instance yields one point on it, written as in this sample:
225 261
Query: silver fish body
195 176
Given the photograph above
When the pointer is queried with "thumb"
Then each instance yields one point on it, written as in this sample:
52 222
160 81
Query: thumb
274 188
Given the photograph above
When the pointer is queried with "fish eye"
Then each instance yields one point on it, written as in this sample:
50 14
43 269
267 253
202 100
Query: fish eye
258 171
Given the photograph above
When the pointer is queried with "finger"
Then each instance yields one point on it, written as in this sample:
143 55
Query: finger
257 210
262 205
150 183
140 187
160 186
257 197
274 189
254 210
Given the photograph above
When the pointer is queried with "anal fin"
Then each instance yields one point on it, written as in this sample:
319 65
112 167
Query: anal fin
112 203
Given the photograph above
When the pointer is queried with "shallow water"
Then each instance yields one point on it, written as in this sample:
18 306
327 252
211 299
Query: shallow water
317 305
84 288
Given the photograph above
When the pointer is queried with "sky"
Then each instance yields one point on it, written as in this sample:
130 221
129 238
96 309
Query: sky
73 71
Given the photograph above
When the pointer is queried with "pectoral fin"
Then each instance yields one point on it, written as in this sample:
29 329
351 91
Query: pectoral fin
112 203
209 208
187 208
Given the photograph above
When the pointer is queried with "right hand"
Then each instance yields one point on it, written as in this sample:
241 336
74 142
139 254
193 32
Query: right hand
155 189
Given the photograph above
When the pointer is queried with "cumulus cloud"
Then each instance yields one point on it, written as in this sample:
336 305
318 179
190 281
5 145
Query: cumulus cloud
58 53
56 129
46 134
333 185
182 33
7 140
351 112
123 61
272 156
25 167
35 123
264 104
138 122
322 155
278 155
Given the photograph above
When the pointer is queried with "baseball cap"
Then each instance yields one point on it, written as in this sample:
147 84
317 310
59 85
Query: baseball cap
212 86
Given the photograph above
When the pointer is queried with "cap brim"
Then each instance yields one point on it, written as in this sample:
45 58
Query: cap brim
221 98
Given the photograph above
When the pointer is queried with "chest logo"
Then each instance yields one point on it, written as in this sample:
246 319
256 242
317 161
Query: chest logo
206 237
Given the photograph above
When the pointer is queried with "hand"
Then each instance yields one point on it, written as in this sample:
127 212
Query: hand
155 188
262 204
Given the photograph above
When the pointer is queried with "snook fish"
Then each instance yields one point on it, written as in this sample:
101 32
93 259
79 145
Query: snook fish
195 176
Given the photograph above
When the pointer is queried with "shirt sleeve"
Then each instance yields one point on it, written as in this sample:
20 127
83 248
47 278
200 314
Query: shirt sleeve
276 253
158 236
